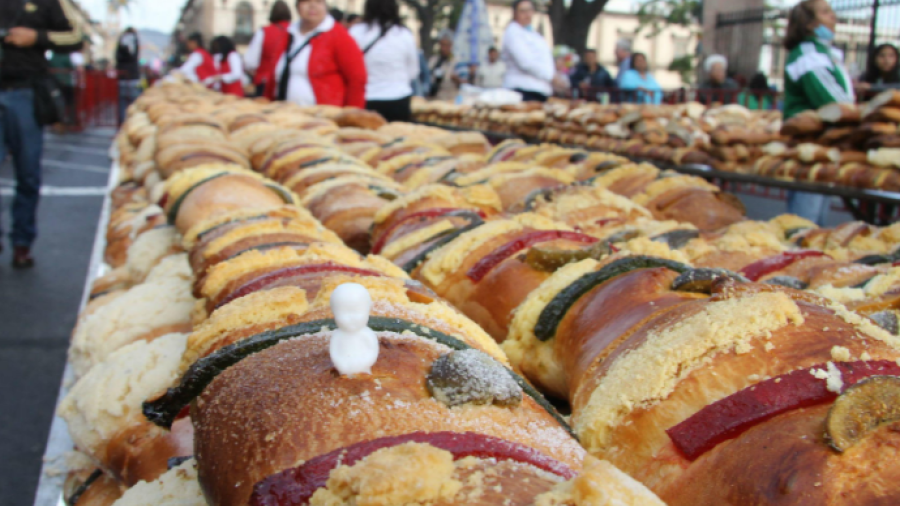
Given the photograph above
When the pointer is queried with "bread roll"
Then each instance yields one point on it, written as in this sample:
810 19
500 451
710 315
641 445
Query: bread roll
760 332
223 194
395 402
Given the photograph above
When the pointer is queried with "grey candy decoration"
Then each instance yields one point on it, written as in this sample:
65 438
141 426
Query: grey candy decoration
471 376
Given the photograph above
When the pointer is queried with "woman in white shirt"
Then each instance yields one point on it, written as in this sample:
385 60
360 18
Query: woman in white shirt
392 60
528 59
229 77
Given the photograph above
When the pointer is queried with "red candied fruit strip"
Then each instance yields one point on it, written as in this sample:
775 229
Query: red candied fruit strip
486 264
511 152
428 213
730 417
606 221
760 268
295 486
260 283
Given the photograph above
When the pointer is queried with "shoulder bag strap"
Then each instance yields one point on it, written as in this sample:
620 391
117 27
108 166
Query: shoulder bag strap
384 32
289 57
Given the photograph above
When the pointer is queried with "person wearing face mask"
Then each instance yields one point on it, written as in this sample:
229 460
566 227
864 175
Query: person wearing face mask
527 56
814 76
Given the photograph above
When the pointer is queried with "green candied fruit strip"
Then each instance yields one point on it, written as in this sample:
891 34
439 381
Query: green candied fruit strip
556 309
164 410
422 256
173 212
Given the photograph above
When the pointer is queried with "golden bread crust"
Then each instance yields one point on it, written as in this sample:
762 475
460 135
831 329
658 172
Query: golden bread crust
301 407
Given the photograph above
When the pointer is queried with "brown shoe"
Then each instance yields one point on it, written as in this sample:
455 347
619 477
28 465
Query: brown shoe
22 258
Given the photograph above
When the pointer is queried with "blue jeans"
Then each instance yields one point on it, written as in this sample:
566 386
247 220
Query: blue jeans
812 206
24 139
129 91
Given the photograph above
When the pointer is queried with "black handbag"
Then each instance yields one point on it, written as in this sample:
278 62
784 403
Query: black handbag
49 104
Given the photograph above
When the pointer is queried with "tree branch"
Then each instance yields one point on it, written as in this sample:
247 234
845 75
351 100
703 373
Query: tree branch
583 9
416 6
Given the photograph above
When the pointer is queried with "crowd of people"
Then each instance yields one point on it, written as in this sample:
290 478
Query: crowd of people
373 61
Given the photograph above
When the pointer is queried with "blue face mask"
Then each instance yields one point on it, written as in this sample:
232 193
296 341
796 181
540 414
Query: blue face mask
823 33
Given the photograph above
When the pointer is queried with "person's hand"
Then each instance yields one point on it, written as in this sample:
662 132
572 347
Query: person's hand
584 85
863 86
21 37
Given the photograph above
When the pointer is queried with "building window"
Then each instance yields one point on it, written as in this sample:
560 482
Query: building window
243 24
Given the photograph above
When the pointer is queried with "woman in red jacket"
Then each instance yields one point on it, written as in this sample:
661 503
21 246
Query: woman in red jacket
267 46
324 64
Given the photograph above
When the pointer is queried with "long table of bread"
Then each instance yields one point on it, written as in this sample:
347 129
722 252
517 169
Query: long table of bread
841 144
313 306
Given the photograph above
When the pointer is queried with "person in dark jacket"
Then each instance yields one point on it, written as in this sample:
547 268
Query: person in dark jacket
29 29
590 74
128 67
718 87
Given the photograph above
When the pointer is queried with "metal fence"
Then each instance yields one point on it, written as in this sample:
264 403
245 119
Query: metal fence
91 96
752 39
752 99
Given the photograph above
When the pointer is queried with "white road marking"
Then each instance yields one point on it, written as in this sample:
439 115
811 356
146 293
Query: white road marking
75 166
78 139
8 190
58 146
62 141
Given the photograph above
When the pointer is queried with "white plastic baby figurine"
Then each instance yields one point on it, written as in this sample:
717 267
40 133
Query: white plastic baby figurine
354 346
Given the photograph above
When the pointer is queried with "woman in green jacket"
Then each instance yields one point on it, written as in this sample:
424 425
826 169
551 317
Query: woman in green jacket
814 76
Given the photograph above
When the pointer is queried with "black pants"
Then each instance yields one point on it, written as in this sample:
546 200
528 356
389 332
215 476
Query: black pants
531 96
392 110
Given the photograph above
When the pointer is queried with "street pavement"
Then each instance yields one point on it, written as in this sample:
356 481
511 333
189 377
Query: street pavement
38 307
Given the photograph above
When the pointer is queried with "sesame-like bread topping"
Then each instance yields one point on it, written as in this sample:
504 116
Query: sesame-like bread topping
630 170
536 358
644 376
306 227
286 211
363 180
277 304
436 191
401 244
661 186
220 274
448 258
